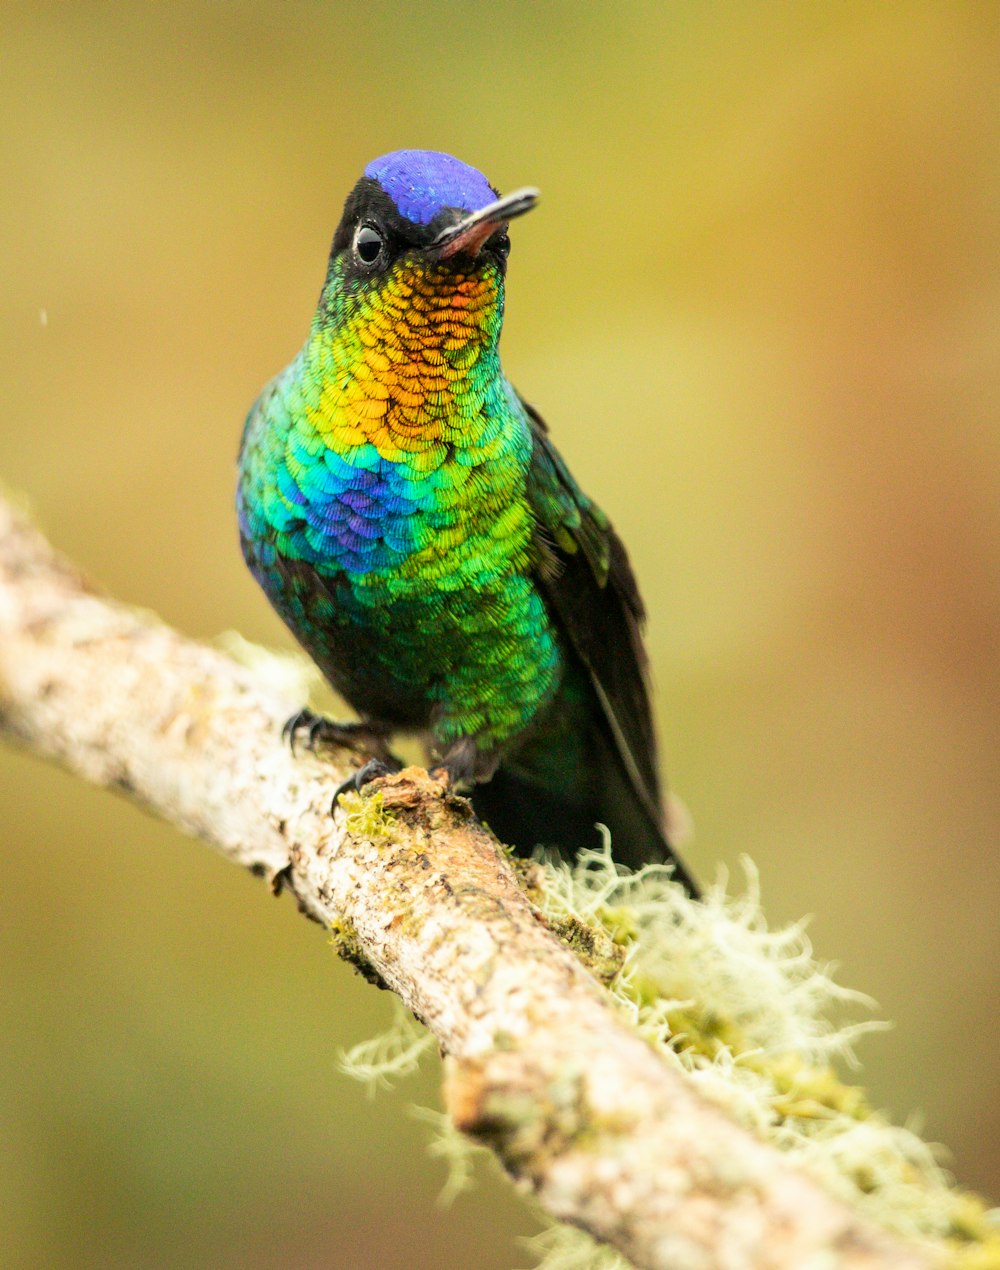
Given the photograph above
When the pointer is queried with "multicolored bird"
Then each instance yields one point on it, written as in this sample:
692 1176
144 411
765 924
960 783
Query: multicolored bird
409 518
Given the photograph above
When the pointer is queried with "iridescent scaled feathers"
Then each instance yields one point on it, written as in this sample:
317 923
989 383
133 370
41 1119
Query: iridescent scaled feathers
390 459
409 519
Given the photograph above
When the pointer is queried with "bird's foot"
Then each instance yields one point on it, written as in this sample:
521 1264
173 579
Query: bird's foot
463 763
313 731
368 772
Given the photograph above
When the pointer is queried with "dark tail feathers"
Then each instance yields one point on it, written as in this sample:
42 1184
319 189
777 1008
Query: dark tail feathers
524 814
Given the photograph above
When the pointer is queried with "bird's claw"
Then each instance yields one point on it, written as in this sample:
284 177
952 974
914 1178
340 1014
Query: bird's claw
315 730
368 772
301 721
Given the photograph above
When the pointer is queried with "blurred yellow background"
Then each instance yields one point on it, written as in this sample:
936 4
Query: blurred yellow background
759 307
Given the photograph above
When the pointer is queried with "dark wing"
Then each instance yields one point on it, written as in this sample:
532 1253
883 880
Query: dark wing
585 574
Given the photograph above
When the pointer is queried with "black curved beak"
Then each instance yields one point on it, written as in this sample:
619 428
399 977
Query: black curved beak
472 231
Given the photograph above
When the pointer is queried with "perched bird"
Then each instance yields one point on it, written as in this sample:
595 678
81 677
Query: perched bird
409 518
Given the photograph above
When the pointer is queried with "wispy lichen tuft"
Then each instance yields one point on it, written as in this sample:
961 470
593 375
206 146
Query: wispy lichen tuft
457 1151
390 1056
560 1247
757 1024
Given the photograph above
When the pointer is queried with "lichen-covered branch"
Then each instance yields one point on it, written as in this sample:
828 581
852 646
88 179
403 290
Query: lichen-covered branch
539 1065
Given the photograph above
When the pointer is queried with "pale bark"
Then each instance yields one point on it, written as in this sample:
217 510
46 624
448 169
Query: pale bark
539 1066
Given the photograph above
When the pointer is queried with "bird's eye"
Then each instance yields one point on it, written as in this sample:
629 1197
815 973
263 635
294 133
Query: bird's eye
369 244
501 245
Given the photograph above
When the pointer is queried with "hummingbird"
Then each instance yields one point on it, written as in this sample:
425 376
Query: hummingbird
408 516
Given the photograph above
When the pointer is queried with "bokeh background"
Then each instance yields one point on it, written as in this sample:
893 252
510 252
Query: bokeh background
760 308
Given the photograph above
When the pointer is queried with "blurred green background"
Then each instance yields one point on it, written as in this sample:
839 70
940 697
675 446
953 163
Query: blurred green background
759 307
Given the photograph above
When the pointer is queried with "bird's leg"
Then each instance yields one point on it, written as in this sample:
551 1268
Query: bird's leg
315 730
463 763
370 771
365 735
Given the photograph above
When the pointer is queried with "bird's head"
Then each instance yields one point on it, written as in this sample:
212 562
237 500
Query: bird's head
422 234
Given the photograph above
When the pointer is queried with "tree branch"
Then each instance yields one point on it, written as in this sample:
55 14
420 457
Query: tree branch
539 1065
